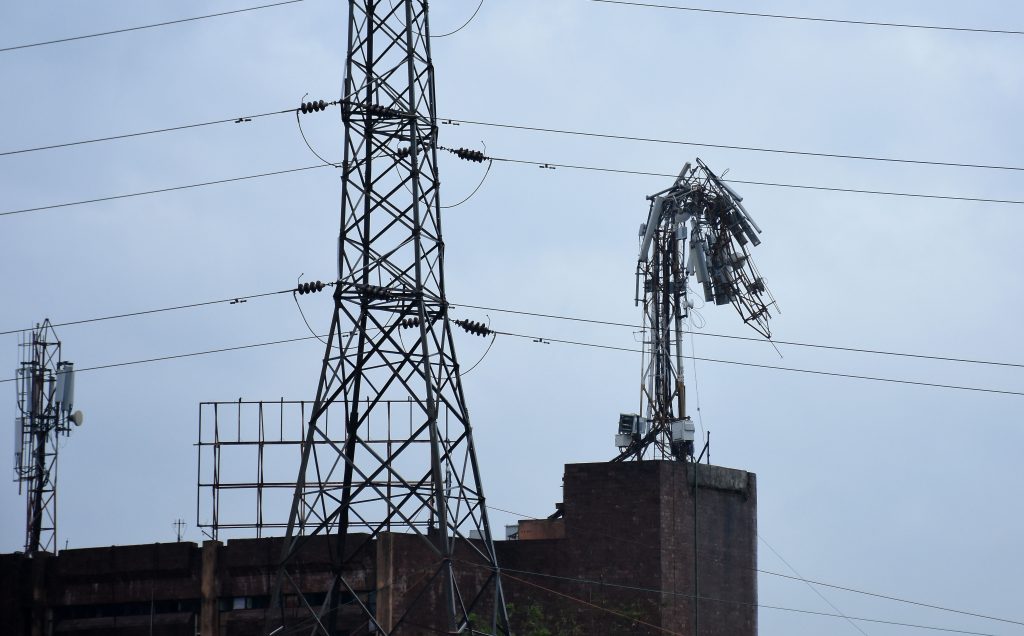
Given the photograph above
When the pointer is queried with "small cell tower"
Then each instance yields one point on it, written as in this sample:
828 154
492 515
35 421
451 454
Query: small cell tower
697 227
46 393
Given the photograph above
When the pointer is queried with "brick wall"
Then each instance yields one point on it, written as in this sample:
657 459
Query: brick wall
629 550
620 561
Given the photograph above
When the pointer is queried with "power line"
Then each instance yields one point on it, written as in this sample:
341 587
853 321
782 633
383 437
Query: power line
777 16
464 24
160 190
745 338
147 26
236 120
534 314
232 300
240 119
807 153
508 160
582 133
631 619
914 195
583 581
546 340
811 581
238 299
185 355
548 164
813 589
892 598
543 339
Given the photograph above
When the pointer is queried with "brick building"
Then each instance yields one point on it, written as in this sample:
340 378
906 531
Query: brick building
620 559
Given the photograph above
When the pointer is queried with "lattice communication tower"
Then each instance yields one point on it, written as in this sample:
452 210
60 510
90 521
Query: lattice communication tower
46 390
391 339
696 228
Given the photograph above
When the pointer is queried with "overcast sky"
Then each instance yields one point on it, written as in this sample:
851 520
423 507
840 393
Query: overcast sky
897 489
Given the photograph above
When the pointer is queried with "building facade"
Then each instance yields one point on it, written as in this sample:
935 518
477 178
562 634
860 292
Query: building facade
647 547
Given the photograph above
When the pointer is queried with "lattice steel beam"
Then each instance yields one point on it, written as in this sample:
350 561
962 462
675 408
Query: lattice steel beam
390 339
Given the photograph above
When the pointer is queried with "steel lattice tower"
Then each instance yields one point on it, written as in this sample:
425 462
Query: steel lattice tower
45 388
697 227
390 339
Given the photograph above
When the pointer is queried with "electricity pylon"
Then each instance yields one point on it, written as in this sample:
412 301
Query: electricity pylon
390 339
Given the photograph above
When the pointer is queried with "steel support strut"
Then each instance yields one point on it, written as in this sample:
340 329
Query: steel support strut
390 339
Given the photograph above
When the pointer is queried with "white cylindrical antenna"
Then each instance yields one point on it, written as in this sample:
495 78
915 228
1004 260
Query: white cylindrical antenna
681 249
62 378
682 173
19 441
65 391
735 195
748 217
747 230
652 224
699 261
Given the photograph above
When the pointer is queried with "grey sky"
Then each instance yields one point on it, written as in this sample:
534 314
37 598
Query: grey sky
901 490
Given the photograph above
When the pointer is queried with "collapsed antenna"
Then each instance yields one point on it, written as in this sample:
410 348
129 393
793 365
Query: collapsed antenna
697 227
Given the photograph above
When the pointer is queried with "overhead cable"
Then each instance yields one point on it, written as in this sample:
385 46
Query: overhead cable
627 617
506 160
546 340
241 119
464 24
234 300
818 592
560 131
147 26
793 343
162 190
191 354
313 107
777 16
550 165
891 598
534 314
582 581
677 142
798 578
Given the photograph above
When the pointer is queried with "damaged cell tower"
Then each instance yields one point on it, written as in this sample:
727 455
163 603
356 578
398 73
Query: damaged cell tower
698 227
391 339
46 392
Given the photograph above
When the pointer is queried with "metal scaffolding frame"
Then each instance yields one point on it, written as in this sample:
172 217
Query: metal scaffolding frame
247 453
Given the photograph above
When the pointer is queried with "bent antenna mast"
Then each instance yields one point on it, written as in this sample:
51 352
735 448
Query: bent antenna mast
696 228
